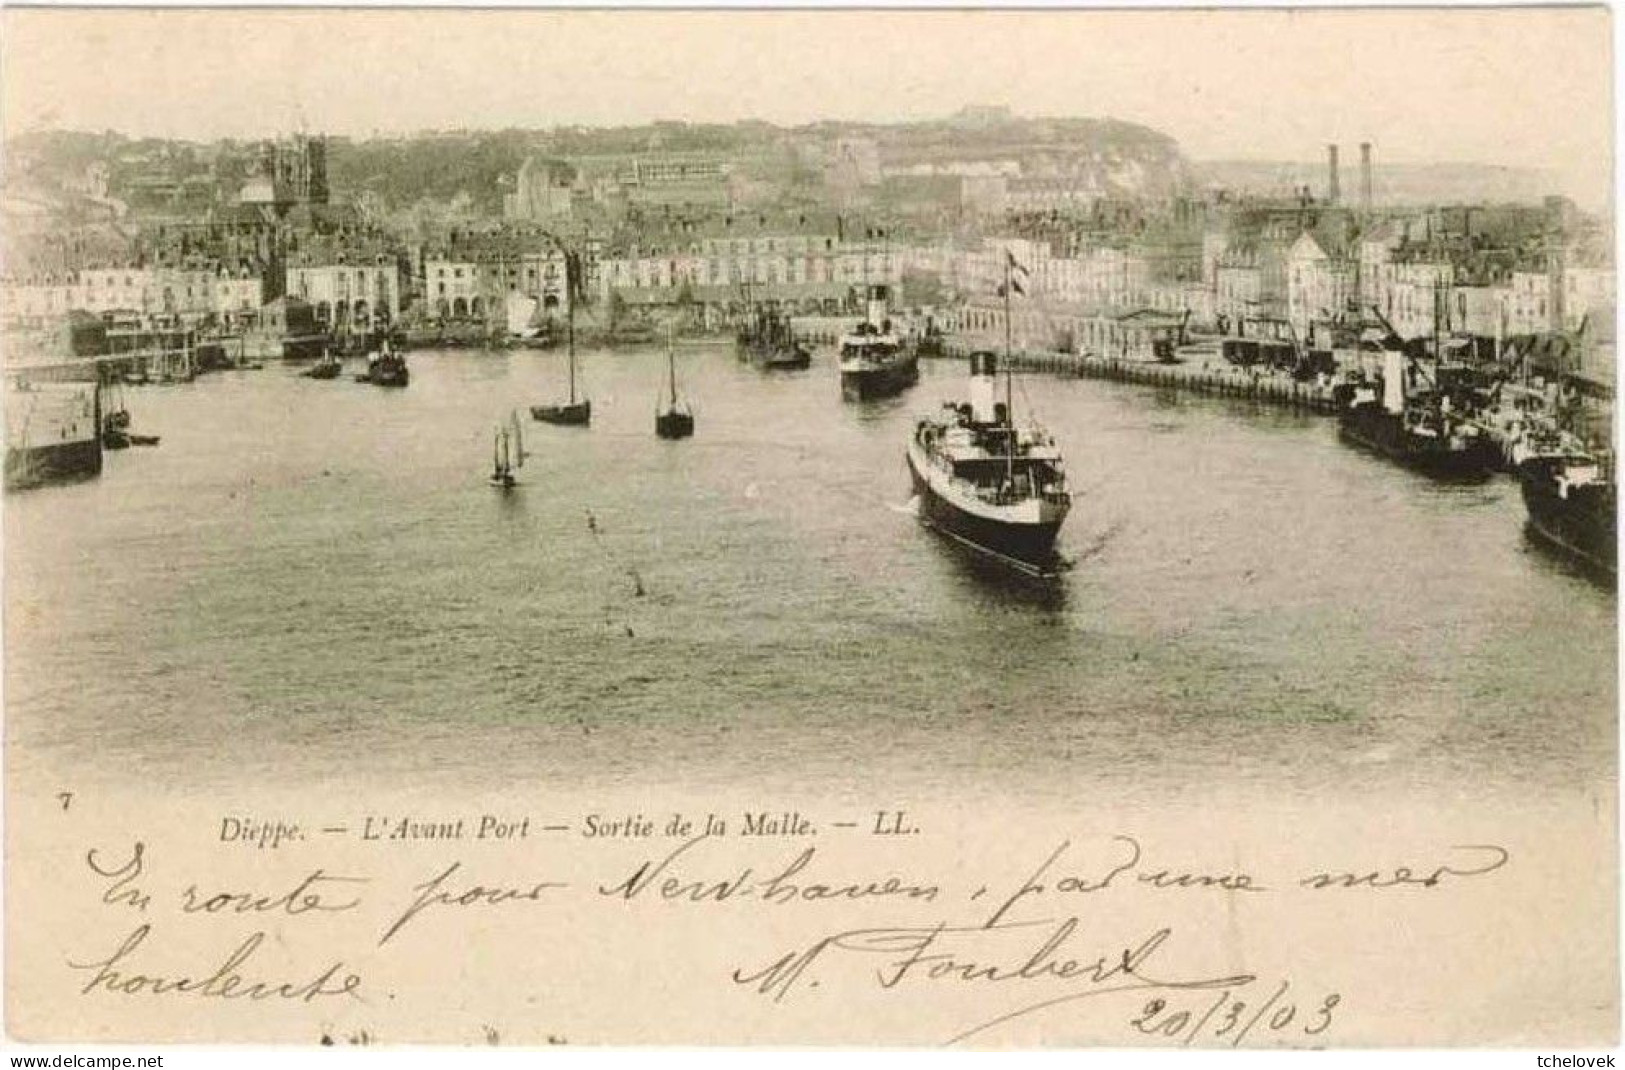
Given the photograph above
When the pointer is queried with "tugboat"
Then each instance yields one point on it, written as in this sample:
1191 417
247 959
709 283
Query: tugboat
1431 430
328 367
988 484
572 413
507 454
385 367
874 362
929 341
767 340
677 421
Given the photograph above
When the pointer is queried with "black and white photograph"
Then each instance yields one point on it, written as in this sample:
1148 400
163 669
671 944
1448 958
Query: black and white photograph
820 528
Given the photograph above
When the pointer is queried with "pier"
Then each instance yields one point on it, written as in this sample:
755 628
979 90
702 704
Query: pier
1224 381
1208 378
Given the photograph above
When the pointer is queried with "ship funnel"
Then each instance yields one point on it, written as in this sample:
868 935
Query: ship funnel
984 387
1393 380
877 306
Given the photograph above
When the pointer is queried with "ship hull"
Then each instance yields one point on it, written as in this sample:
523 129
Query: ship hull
787 358
674 425
884 381
1383 432
578 414
1585 529
60 461
1027 546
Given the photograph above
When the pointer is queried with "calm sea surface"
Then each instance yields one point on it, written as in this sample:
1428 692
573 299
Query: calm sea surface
312 581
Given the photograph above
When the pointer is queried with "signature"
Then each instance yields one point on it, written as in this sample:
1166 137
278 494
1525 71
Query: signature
940 954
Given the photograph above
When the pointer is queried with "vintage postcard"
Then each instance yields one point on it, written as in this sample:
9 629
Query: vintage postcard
974 529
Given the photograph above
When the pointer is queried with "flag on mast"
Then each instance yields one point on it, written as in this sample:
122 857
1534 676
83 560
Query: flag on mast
1012 265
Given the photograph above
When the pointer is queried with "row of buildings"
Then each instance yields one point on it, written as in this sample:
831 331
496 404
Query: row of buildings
359 296
1307 264
1311 283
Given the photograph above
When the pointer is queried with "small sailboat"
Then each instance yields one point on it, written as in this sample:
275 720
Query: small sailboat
507 454
115 422
574 413
677 420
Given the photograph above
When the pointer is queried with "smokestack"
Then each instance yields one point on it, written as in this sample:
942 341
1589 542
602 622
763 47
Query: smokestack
1365 176
1333 193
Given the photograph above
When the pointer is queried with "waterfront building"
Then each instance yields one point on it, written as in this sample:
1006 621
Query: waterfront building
1529 304
358 296
810 265
453 288
480 274
190 295
1587 292
1319 286
1238 286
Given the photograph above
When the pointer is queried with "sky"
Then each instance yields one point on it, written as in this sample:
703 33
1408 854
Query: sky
1517 87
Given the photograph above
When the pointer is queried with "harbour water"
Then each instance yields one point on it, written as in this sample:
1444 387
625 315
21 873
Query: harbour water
314 580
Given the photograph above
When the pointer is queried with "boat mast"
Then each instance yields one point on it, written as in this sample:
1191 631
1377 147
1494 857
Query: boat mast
1009 413
1438 342
671 364
570 322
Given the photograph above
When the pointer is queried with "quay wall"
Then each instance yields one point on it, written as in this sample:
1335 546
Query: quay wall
1209 379
1211 376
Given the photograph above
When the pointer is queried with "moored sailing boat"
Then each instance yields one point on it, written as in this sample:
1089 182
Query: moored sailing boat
677 420
576 413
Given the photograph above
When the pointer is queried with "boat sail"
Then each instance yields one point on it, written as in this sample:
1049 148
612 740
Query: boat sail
577 413
507 453
677 421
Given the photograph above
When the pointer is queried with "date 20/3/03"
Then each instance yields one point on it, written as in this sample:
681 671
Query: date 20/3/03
1232 1020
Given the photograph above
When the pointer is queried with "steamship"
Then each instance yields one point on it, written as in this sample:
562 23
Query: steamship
768 340
1428 430
1571 499
53 432
987 484
874 361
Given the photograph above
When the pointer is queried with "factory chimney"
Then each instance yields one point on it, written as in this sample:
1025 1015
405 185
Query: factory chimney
1333 194
1365 177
